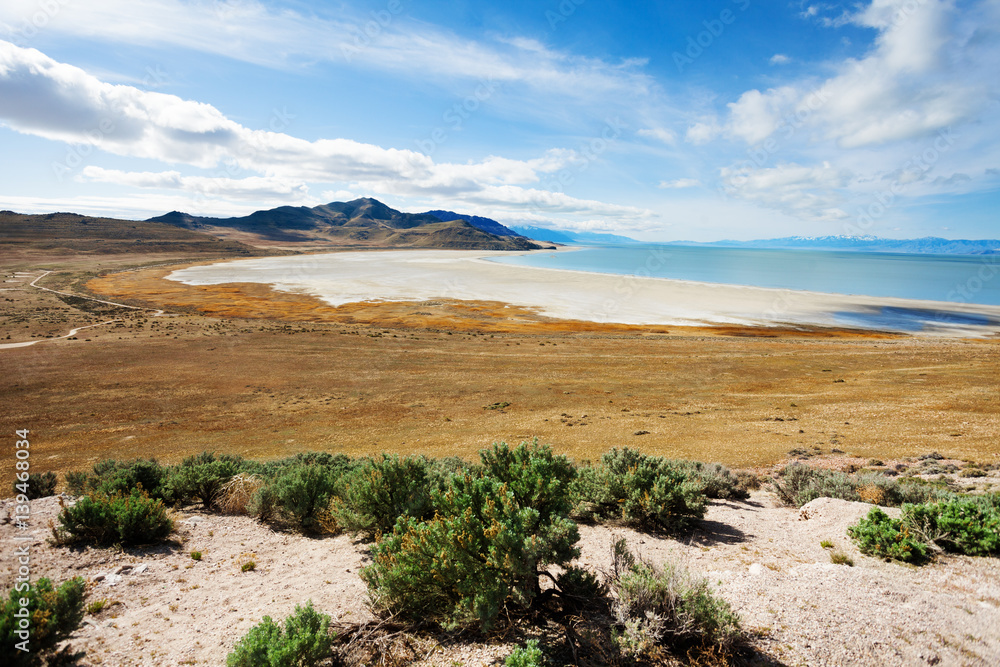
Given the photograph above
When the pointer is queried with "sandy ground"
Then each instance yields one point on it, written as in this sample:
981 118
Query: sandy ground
420 275
166 609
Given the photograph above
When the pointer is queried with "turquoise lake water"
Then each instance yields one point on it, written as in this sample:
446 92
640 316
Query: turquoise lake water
956 278
969 279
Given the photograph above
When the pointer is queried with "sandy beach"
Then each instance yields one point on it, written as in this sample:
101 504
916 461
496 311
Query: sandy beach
420 275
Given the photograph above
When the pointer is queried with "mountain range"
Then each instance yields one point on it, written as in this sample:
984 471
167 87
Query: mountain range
569 237
362 222
927 244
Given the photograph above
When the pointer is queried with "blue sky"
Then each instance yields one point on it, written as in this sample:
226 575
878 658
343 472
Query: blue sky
660 120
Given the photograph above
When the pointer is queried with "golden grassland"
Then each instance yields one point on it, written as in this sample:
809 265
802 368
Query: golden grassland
241 368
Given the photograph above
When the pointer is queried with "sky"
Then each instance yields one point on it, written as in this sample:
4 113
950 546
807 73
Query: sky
696 120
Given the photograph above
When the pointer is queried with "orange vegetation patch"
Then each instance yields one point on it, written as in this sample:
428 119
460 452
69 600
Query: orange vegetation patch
259 301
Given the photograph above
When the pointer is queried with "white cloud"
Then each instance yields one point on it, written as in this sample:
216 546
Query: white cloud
250 31
927 70
702 133
779 59
755 116
807 193
45 98
680 183
659 133
253 188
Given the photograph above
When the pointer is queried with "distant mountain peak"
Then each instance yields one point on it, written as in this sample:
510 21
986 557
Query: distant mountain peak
363 222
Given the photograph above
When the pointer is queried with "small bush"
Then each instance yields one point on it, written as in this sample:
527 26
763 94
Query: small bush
798 484
718 481
38 485
117 519
650 492
656 497
590 495
97 606
969 525
236 495
248 566
111 477
484 548
841 558
826 544
880 536
53 615
201 477
372 497
665 606
195 555
528 655
303 492
304 641
76 482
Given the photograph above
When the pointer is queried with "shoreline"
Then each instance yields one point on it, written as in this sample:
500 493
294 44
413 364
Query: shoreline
338 279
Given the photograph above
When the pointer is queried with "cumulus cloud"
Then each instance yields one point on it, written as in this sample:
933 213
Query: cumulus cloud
46 98
250 31
779 59
702 132
807 193
926 71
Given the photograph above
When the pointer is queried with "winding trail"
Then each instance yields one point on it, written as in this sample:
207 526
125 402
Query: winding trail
73 332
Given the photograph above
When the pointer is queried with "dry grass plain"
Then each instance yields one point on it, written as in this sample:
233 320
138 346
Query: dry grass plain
242 369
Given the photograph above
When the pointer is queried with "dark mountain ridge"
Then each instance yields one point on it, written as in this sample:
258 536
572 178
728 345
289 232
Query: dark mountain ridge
361 222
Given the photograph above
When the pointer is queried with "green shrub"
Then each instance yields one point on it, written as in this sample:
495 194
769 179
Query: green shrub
883 537
538 478
651 493
53 614
797 484
528 655
590 495
76 482
841 558
579 585
38 485
116 519
302 492
304 641
483 549
373 496
110 477
718 481
666 606
201 477
968 524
